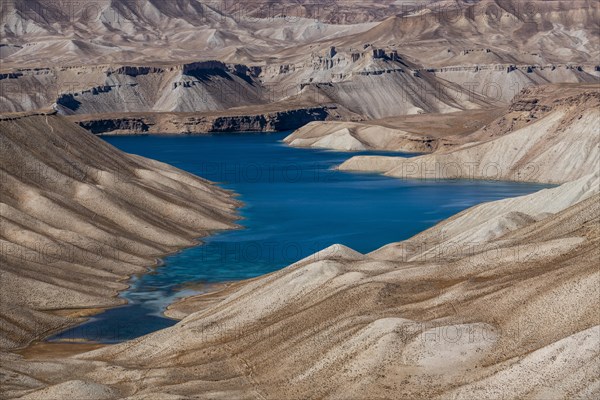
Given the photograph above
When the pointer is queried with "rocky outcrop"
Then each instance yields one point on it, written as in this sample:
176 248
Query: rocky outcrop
193 123
423 133
353 136
11 75
499 301
271 122
371 82
123 125
79 216
183 87
134 71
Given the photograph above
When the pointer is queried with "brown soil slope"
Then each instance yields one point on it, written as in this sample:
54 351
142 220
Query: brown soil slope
78 216
550 134
422 133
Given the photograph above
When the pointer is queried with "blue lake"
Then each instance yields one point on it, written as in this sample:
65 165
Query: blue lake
294 205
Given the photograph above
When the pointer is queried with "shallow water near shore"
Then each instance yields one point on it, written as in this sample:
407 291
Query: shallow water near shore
295 204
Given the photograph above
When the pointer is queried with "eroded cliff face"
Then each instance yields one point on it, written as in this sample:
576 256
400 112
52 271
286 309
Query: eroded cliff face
369 83
125 125
199 86
434 57
79 216
352 136
423 133
534 103
439 33
498 301
197 123
388 83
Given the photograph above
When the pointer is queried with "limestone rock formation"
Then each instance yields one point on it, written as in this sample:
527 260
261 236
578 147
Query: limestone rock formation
433 57
422 133
257 120
499 301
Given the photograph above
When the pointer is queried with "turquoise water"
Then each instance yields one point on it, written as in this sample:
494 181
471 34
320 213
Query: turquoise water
295 205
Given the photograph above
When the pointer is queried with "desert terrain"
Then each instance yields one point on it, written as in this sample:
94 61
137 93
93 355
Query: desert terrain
189 63
497 302
79 217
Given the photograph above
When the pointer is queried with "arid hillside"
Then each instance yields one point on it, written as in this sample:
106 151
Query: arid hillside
422 133
37 32
521 32
45 32
79 217
497 302
549 134
193 57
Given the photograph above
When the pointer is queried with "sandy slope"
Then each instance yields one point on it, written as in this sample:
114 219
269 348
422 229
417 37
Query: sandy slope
352 136
142 31
463 32
369 88
439 33
79 216
550 135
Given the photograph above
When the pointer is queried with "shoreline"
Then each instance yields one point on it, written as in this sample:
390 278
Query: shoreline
44 349
352 200
52 350
89 233
175 309
85 313
180 308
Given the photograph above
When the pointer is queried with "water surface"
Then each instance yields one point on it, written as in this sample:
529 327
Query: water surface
295 205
